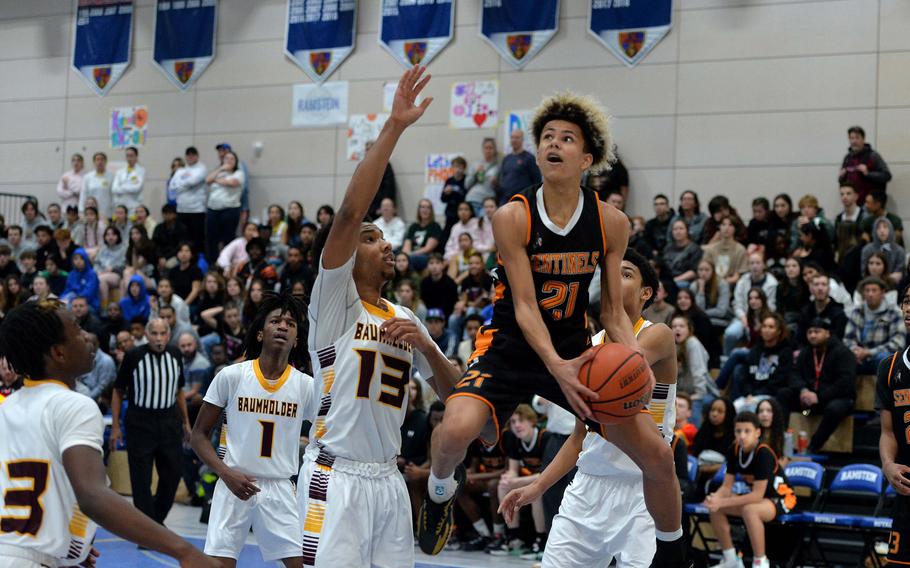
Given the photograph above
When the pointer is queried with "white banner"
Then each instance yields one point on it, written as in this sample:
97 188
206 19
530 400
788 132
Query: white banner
320 105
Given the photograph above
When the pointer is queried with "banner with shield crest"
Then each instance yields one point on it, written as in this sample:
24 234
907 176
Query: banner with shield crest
630 28
518 29
320 35
415 32
184 39
102 42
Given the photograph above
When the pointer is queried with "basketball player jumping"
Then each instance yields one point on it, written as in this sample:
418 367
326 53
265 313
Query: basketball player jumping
353 501
550 240
50 452
893 393
603 513
265 401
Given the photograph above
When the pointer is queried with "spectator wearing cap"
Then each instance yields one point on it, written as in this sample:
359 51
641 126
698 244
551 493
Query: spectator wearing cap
258 266
223 149
188 183
129 181
70 184
445 339
822 382
223 207
168 235
875 329
97 184
863 167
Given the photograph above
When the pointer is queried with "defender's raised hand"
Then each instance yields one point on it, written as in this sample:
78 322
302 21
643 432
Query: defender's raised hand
404 107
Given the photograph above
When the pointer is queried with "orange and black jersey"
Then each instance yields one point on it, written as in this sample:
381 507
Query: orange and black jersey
892 392
530 454
761 463
563 262
490 458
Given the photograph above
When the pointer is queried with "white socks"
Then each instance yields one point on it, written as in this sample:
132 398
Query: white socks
441 490
669 536
730 555
761 562
481 527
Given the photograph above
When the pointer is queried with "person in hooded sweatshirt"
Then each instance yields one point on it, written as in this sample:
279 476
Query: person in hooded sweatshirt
136 302
863 167
82 281
883 240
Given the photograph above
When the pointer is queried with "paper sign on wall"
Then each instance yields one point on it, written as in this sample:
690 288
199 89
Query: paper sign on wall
320 105
437 169
363 128
129 126
474 104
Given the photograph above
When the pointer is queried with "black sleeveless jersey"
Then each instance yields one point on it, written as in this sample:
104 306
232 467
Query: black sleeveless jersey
892 392
562 265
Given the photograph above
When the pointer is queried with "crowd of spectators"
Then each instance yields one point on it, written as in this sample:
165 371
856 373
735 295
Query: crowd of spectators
786 306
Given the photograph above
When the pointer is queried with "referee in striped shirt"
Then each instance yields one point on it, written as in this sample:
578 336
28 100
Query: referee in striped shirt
151 380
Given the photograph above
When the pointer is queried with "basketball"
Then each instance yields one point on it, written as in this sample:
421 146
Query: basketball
621 380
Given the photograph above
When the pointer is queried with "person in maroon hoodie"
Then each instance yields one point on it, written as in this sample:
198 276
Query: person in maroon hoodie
863 167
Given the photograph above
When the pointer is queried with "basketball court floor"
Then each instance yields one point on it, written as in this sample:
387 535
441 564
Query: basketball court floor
116 552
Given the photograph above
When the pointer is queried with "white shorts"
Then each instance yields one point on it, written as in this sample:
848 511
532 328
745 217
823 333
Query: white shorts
17 557
601 518
272 513
354 514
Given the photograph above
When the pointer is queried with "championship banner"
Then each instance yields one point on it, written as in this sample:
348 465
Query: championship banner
630 28
320 35
414 33
184 39
518 29
102 41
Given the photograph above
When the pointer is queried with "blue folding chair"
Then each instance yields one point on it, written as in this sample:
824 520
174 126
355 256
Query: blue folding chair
808 475
842 507
692 468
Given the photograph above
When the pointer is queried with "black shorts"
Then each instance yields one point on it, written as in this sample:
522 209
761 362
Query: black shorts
899 541
503 385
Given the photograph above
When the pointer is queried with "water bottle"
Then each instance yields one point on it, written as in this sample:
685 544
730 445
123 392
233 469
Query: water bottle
788 443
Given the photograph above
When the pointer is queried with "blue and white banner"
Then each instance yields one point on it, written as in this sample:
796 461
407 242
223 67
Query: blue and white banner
102 41
184 39
630 28
320 35
415 32
518 29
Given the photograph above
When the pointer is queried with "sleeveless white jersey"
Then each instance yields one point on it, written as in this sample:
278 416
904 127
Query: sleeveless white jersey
38 423
261 434
600 457
361 377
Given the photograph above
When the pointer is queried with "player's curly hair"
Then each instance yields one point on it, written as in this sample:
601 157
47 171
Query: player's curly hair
585 112
28 333
288 304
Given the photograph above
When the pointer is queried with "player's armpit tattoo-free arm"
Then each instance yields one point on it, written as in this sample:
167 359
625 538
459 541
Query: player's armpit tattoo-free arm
345 232
509 230
565 459
88 477
445 374
200 439
612 314
660 353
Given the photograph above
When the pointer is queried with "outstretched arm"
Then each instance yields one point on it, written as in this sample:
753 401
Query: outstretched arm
89 480
345 232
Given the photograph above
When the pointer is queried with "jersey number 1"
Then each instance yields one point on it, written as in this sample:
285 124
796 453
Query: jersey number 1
28 498
393 385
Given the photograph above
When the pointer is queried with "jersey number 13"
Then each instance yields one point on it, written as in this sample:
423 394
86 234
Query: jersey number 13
394 376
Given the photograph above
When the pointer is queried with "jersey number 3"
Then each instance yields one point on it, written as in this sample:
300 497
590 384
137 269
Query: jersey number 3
393 386
35 472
